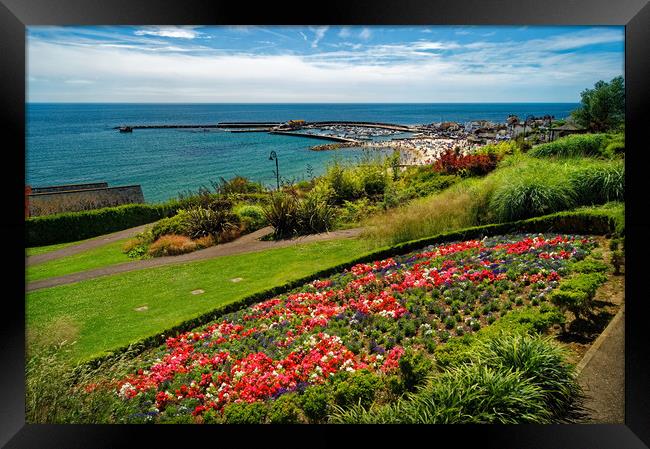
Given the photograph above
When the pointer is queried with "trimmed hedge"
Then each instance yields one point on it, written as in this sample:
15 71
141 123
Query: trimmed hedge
594 221
73 226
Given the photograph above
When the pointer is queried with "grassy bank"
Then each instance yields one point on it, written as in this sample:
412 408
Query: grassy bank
522 187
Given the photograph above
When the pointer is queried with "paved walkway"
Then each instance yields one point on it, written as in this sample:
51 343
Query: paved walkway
603 374
85 246
246 244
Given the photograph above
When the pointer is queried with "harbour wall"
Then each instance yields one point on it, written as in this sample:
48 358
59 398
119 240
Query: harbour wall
73 200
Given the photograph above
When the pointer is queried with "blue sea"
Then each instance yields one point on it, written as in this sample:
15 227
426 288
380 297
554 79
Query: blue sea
76 143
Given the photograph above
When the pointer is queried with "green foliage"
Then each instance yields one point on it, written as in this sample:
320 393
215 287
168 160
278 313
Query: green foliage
282 213
414 367
202 222
251 216
540 360
603 107
315 403
344 185
284 410
72 226
588 266
599 184
358 388
245 413
594 145
531 195
576 293
238 184
315 214
171 225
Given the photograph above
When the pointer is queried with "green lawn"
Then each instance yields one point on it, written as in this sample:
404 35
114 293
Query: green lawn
102 256
100 313
49 248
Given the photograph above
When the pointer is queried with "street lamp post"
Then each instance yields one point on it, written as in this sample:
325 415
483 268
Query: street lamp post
274 156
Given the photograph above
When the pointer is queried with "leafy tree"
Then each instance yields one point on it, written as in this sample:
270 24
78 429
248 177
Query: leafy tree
603 107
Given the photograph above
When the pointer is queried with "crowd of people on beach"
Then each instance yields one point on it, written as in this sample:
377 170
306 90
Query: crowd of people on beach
423 151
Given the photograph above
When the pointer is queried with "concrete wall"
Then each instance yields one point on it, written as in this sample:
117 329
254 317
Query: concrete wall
70 187
84 199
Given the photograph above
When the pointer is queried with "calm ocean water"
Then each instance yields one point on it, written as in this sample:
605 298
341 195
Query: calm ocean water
75 143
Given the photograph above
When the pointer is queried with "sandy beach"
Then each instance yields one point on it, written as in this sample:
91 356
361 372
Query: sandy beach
423 150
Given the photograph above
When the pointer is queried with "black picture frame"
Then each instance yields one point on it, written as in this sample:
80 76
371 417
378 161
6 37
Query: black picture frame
15 15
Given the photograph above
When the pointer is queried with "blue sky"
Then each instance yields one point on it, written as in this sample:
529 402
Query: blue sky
297 64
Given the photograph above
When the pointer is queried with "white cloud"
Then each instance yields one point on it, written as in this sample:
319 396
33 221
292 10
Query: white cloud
365 34
345 32
319 33
169 31
424 70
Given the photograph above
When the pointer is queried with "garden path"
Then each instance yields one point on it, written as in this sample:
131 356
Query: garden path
86 245
603 376
246 244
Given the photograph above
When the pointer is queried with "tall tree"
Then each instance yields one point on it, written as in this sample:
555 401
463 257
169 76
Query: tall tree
603 107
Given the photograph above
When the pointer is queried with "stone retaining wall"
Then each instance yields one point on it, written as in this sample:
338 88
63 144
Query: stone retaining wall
62 200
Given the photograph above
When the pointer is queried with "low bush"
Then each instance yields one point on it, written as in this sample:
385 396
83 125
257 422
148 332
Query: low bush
251 216
172 245
452 162
344 184
170 225
238 184
202 222
315 404
285 410
358 388
576 293
414 367
245 413
73 226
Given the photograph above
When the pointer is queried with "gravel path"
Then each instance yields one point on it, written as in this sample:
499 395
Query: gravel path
246 244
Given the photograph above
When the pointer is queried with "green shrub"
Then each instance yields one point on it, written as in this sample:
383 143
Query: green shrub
315 214
373 179
344 184
585 282
171 225
245 413
238 184
73 226
282 213
284 410
572 146
414 368
202 222
358 388
251 216
575 294
588 266
315 404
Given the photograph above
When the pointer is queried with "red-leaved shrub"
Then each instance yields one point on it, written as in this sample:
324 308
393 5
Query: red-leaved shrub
451 162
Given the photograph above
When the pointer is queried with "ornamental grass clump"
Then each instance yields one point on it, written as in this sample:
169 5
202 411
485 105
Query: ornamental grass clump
529 195
599 184
542 361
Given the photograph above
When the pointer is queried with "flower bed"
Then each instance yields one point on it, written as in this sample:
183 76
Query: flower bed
361 319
